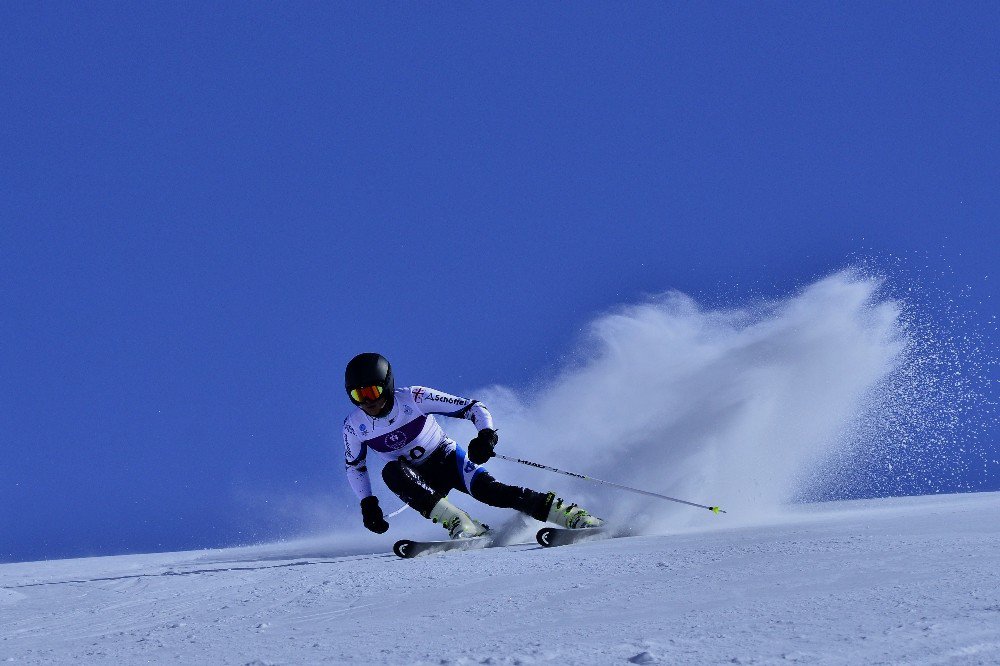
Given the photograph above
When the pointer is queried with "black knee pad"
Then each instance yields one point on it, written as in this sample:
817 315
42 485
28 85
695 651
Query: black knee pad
407 483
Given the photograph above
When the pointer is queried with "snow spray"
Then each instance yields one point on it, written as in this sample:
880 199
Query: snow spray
751 408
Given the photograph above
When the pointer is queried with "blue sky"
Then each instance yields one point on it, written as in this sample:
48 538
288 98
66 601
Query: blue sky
208 209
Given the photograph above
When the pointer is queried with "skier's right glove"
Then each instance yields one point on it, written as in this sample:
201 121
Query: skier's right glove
481 448
371 514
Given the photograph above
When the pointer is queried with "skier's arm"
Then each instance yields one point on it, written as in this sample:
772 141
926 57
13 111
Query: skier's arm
355 452
432 401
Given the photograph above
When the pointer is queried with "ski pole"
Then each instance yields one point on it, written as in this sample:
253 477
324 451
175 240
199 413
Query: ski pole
713 509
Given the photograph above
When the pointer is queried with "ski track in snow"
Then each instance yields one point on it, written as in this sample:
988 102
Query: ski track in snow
905 580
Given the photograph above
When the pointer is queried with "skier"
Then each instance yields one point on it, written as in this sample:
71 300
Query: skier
424 464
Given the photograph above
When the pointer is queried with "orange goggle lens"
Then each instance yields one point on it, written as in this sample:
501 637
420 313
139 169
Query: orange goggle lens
366 394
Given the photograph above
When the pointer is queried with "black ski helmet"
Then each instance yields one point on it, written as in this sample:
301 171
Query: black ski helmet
369 369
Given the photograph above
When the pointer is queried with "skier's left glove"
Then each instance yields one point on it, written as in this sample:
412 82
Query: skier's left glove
481 448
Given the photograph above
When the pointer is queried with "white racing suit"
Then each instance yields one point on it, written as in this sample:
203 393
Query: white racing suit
424 463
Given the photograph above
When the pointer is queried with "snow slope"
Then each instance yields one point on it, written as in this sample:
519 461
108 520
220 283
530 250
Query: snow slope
904 580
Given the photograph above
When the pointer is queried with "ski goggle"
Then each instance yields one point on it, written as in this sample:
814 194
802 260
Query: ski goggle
366 394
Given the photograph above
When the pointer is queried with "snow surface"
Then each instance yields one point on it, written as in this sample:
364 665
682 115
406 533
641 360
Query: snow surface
903 580
832 391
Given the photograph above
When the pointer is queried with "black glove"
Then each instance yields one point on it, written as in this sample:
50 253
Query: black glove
371 513
481 448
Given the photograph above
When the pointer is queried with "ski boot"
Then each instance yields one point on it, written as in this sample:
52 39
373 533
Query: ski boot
570 516
458 523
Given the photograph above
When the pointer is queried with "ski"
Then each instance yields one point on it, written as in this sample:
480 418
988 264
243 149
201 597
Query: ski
511 533
548 537
407 548
559 536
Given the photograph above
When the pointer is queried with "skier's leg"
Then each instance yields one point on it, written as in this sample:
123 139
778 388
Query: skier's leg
428 497
540 506
488 490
